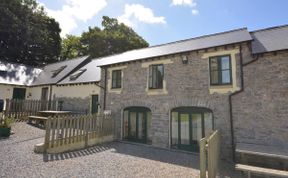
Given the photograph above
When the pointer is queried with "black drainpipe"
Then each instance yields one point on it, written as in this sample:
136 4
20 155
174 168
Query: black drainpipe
230 100
50 97
105 86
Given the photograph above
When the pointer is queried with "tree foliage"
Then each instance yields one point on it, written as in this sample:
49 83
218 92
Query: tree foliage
72 47
113 38
27 34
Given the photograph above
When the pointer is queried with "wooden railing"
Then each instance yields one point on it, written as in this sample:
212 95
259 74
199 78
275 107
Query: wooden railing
209 155
21 109
75 132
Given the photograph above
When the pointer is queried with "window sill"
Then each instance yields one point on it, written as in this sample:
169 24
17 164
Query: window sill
161 91
222 89
115 90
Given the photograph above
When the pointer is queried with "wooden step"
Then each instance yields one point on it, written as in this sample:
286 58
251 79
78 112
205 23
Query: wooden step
261 171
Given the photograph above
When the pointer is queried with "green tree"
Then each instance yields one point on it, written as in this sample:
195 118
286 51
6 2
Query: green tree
71 47
27 34
114 38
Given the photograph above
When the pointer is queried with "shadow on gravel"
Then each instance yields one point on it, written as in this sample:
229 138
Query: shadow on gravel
141 151
36 125
74 154
184 159
147 152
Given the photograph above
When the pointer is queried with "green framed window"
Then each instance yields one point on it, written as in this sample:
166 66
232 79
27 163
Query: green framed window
116 79
156 76
220 70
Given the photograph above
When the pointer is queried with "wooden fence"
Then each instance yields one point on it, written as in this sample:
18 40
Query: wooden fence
209 155
21 109
75 132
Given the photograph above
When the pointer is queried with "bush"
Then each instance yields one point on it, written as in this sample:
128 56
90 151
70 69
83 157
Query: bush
6 122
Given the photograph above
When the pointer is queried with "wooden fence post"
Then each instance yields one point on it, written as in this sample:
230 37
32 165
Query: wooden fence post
203 158
213 154
86 130
47 134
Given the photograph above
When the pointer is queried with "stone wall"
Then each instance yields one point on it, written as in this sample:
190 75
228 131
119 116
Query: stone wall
186 84
261 110
77 105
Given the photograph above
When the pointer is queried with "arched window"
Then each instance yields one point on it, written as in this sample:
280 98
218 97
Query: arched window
189 125
136 124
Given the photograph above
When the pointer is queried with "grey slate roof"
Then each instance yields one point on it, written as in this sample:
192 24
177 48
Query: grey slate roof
270 39
203 42
91 74
17 74
45 77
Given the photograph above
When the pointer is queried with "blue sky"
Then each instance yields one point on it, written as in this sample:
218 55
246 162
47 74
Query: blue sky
162 21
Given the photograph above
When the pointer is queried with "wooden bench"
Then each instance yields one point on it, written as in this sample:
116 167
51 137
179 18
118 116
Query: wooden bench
37 119
261 150
261 171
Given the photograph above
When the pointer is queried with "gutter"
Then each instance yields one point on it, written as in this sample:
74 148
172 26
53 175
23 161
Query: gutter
235 93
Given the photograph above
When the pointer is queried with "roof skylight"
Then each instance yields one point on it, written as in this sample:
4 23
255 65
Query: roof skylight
57 71
76 74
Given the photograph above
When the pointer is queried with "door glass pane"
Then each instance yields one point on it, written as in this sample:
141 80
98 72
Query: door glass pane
141 126
196 127
174 131
148 133
125 124
208 123
184 119
133 124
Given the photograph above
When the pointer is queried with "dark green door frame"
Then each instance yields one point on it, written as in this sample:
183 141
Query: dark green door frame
94 104
19 93
137 111
193 145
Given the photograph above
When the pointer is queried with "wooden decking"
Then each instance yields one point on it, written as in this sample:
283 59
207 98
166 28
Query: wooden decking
262 152
260 170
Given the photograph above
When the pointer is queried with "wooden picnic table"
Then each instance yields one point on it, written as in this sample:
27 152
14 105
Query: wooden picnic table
53 113
42 116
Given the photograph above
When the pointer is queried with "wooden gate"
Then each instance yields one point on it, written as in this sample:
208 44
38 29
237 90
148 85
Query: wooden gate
209 155
76 132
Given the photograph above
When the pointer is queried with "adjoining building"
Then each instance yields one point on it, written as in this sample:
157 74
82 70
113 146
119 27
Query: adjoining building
73 83
14 79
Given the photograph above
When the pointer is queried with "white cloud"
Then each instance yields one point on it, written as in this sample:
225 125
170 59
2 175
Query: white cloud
195 12
138 13
190 3
76 10
183 3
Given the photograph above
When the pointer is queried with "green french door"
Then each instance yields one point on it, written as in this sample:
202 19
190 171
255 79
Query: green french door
188 126
135 124
94 104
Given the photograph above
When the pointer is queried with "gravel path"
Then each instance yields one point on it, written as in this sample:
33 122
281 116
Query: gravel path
108 160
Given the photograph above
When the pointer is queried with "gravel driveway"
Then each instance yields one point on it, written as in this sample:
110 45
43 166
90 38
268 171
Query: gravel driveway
109 160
